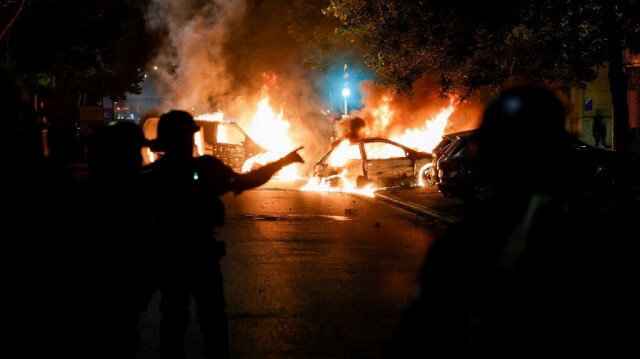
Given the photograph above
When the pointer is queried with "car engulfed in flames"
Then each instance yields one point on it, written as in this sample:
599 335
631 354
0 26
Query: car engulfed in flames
370 163
225 140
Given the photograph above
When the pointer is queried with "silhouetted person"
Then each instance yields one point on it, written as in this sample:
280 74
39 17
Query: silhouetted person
185 207
598 129
35 245
534 269
115 259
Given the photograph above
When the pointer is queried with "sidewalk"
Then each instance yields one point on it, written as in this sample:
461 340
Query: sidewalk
426 201
429 202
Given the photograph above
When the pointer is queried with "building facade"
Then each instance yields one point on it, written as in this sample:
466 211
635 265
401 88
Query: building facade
597 95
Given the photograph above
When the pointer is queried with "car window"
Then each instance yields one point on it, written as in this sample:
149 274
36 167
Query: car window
383 150
460 144
343 153
445 141
150 128
229 134
450 147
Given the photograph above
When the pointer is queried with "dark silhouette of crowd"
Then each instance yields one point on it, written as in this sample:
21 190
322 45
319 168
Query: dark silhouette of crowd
538 267
82 257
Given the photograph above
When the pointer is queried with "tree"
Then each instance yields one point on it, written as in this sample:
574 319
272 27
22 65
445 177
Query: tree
322 49
469 45
13 17
75 52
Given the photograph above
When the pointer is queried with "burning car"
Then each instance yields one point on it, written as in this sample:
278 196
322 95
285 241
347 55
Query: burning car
377 161
223 139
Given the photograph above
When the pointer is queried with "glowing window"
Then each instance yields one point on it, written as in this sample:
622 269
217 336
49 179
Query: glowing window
383 150
343 153
229 135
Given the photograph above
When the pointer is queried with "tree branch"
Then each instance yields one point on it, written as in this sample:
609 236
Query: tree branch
6 28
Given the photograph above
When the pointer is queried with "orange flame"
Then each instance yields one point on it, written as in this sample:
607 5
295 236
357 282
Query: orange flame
328 184
271 131
427 137
423 138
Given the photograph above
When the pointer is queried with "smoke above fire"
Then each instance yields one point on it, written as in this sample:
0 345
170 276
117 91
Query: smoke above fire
388 115
229 56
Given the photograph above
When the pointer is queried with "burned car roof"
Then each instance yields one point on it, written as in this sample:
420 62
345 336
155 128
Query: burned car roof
377 161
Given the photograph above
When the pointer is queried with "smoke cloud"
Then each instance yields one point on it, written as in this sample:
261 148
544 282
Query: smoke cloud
406 113
222 55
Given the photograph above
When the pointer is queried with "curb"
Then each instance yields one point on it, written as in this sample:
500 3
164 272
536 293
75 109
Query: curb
415 208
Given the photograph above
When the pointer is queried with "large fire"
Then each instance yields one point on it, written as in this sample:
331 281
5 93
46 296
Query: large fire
337 183
267 128
270 130
423 139
427 137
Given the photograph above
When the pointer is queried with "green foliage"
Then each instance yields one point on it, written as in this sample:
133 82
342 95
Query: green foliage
93 47
45 80
315 31
467 45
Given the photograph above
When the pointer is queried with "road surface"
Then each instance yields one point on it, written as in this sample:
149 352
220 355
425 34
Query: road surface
310 275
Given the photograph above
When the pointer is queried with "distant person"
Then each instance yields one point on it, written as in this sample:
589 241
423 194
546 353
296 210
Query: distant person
185 208
536 268
598 129
115 263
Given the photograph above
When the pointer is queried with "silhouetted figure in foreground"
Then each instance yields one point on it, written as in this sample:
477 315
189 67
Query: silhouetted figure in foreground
115 259
537 268
185 208
35 243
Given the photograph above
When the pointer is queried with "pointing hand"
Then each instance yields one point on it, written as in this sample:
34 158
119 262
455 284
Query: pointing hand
293 156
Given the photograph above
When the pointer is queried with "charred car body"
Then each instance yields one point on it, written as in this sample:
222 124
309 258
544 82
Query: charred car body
224 140
377 161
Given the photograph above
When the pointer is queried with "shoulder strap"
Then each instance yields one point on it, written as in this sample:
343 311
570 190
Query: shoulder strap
517 242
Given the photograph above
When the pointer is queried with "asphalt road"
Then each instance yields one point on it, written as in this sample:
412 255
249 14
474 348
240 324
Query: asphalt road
310 275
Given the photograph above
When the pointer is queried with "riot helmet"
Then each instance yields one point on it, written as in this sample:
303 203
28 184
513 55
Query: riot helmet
175 128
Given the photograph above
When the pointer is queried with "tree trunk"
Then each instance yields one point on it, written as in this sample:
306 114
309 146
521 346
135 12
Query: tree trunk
15 16
618 85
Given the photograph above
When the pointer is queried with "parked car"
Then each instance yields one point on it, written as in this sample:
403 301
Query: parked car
379 161
225 140
431 172
605 171
599 171
457 171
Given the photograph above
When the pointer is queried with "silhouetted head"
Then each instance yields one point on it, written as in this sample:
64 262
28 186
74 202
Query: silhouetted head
527 115
119 150
175 133
523 130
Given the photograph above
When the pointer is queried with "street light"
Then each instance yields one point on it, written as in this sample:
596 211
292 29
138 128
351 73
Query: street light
345 93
